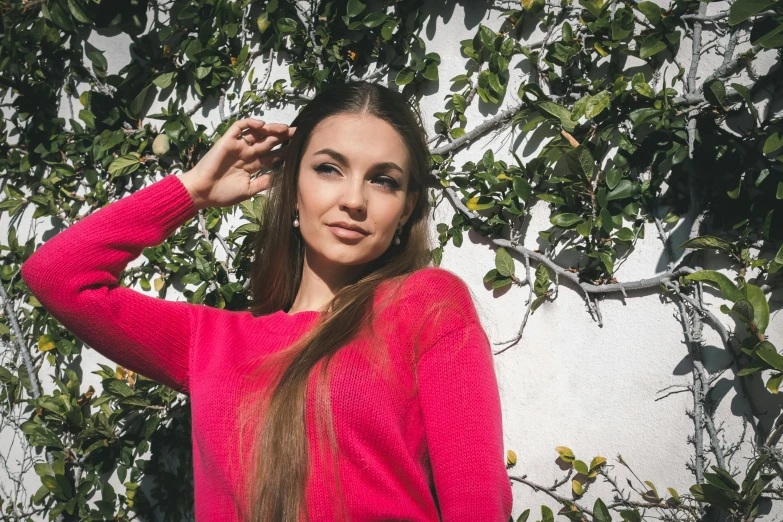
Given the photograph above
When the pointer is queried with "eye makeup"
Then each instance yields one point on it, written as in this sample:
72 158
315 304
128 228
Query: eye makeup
387 182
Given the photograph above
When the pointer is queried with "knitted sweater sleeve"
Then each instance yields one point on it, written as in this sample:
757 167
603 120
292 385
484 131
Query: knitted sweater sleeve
75 277
460 404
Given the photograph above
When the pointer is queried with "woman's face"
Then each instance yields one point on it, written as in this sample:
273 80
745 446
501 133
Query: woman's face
353 170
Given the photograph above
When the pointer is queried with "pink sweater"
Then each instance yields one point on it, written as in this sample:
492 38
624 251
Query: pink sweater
415 454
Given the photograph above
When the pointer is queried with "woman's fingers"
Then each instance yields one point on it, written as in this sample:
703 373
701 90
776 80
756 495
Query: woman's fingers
265 144
242 126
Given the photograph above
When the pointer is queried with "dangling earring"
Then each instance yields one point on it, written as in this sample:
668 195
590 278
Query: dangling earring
296 219
396 239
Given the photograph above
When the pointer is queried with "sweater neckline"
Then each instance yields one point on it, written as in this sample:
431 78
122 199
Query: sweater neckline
297 319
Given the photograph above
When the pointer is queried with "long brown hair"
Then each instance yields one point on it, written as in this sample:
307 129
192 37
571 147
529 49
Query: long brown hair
279 461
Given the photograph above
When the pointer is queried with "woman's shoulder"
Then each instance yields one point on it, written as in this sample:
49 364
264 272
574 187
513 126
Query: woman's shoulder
431 289
438 283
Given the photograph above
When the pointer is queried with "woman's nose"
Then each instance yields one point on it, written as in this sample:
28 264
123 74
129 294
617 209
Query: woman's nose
353 197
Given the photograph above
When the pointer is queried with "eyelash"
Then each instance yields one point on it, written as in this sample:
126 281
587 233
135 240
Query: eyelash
389 183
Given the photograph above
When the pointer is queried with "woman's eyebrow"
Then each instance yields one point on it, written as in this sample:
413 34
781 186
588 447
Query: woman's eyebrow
342 159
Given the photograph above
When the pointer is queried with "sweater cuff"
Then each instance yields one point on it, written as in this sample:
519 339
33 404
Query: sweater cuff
169 204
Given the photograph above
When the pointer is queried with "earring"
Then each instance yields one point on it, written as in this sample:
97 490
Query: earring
296 219
396 239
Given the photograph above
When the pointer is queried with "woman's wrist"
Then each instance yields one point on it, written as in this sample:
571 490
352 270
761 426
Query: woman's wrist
187 179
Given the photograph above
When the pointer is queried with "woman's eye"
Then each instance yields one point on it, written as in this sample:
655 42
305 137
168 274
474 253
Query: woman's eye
388 182
324 168
385 181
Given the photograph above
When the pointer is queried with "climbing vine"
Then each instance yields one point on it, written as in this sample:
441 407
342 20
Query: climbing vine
634 131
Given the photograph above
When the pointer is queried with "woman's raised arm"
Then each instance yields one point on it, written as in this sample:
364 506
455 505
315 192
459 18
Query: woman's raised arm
75 276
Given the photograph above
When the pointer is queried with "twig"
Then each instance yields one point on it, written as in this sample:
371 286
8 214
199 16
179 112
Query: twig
528 306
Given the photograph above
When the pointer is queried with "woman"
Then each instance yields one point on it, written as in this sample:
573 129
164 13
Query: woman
360 384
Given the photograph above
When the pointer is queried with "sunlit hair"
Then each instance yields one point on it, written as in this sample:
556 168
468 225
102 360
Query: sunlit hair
274 483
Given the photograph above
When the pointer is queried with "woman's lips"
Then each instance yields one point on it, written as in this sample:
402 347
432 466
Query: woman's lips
345 232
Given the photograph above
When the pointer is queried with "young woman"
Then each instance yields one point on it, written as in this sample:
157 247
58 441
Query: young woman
360 384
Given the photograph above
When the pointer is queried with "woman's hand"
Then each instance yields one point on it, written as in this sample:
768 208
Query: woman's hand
223 176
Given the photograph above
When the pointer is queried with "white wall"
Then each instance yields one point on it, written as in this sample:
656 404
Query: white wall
568 382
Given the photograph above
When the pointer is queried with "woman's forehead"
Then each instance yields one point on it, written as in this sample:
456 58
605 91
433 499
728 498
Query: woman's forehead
360 139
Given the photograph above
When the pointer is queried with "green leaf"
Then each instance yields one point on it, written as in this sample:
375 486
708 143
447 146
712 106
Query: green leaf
624 189
712 495
500 282
596 104
568 32
631 515
745 93
546 514
773 384
566 220
387 31
138 102
773 142
624 234
559 112
457 132
480 203
354 8
767 32
651 11
522 188
650 46
756 297
613 177
735 193
727 287
741 10
286 25
124 165
641 86
164 80
77 10
542 281
722 479
98 61
263 22
532 6
551 198
581 161
584 228
118 387
622 24
504 263
374 19
601 512
743 309
708 243
580 467
607 222
773 358
715 93
404 77
431 72
754 469
608 261
596 7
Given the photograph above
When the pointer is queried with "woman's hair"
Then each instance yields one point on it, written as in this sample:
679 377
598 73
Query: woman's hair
279 462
